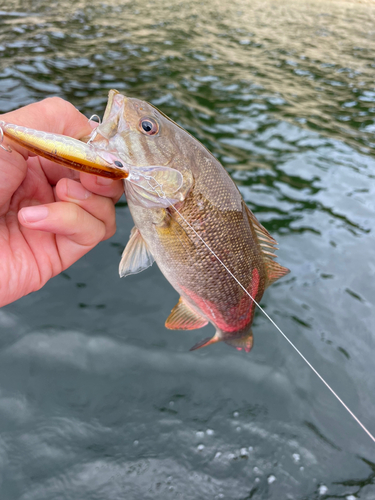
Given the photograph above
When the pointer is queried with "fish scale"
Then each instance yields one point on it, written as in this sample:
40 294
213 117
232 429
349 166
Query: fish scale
230 232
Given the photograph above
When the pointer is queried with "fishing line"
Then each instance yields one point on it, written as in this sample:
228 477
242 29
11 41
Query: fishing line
162 195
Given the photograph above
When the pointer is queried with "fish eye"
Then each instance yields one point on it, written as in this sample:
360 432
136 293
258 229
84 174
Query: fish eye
148 126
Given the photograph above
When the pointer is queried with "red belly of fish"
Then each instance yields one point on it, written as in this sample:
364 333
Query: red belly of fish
236 318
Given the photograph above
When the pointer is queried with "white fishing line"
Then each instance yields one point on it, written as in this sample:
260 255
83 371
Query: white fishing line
148 178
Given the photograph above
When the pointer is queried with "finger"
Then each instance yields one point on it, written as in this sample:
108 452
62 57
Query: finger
77 231
103 186
100 207
13 170
54 172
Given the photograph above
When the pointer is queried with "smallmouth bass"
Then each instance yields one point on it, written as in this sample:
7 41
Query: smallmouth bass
211 203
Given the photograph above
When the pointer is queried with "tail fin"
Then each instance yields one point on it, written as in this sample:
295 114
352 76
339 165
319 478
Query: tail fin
245 341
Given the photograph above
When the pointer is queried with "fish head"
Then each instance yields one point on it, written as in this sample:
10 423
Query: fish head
150 144
137 130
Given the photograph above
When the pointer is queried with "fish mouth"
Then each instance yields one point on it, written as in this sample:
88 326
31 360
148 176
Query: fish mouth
114 113
120 133
114 121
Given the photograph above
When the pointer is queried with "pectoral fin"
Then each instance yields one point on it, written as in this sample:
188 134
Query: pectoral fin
136 256
184 318
155 187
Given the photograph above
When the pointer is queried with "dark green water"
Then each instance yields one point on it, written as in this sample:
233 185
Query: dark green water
98 401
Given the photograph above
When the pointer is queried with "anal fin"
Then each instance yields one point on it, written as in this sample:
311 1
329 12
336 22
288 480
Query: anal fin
184 318
136 256
206 342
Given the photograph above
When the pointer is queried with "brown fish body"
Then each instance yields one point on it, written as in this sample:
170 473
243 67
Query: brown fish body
203 283
209 205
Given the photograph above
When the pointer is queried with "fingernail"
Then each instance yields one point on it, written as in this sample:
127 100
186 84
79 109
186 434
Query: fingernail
103 181
34 214
77 191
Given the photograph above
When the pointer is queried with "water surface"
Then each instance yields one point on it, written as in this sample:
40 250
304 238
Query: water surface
97 399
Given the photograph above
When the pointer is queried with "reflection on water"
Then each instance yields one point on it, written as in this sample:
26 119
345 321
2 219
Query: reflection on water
98 399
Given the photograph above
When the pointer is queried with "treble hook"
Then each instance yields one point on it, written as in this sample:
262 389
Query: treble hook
94 133
95 116
8 149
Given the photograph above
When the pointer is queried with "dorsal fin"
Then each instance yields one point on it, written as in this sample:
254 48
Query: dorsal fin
267 245
184 318
263 235
275 271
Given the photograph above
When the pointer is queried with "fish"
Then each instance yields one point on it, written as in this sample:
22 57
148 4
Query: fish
189 217
214 209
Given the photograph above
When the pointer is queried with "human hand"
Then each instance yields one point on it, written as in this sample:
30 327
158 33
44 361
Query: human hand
50 216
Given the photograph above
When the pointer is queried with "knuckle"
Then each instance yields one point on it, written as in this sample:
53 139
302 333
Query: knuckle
57 111
55 100
108 213
75 215
56 103
88 230
109 219
97 233
103 232
94 221
110 231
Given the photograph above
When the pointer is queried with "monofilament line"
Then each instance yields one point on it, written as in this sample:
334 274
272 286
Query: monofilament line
279 329
261 308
